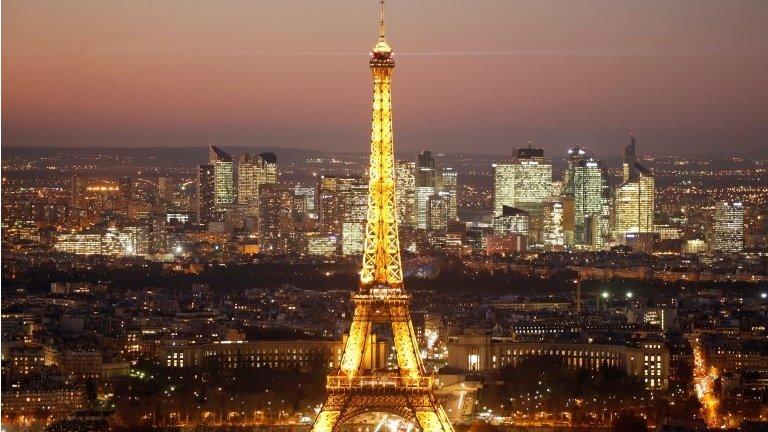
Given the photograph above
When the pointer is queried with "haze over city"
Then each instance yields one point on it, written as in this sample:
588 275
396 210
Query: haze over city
686 76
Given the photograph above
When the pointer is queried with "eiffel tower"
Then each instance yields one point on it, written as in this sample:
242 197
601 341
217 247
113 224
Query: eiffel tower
381 299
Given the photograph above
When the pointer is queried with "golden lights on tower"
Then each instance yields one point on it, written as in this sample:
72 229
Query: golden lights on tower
358 386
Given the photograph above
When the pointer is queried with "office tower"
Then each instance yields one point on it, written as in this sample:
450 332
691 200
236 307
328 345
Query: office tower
77 192
634 197
205 193
405 192
426 169
249 173
223 177
356 388
426 182
330 200
511 221
449 186
423 193
276 219
269 172
437 220
354 210
524 184
437 212
158 235
585 181
125 187
165 188
308 192
728 227
554 228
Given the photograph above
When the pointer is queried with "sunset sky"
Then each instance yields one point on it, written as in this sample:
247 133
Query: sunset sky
478 76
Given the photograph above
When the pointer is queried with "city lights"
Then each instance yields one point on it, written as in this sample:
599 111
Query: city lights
207 242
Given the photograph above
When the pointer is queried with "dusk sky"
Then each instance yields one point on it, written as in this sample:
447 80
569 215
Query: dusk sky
471 76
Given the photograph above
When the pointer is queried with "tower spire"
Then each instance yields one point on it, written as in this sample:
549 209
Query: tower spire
382 33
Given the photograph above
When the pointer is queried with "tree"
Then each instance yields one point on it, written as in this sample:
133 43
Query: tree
629 422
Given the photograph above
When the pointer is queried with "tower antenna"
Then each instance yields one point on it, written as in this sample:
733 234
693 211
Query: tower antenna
382 34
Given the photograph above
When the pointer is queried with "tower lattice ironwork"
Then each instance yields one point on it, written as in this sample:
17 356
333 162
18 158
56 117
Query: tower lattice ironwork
354 389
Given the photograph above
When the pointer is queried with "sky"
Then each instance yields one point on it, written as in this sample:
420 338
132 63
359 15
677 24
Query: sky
480 76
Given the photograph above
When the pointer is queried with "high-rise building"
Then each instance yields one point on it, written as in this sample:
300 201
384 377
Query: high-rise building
249 173
585 180
511 221
269 171
525 183
554 215
426 183
165 191
323 245
308 192
426 169
125 187
728 227
450 186
354 210
205 193
423 193
77 192
330 202
437 212
405 192
223 177
276 219
634 197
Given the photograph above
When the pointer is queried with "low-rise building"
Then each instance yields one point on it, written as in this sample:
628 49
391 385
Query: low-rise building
648 361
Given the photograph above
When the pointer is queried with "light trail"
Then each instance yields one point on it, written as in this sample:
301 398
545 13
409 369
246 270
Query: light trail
703 382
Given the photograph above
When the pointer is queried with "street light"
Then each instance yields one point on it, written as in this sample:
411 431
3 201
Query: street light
763 295
605 294
629 294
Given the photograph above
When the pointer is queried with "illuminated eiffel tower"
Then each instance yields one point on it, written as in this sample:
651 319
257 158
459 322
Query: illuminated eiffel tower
354 389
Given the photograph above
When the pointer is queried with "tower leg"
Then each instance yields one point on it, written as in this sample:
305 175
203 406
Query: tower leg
326 421
423 411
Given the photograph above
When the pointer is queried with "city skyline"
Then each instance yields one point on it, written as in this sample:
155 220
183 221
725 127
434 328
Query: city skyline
687 78
326 291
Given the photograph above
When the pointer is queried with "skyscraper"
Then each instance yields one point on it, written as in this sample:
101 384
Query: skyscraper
330 193
634 197
511 221
728 227
554 228
223 177
126 191
449 178
585 180
405 192
269 171
276 219
308 192
426 182
437 212
525 183
165 191
249 175
354 209
205 193
77 192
